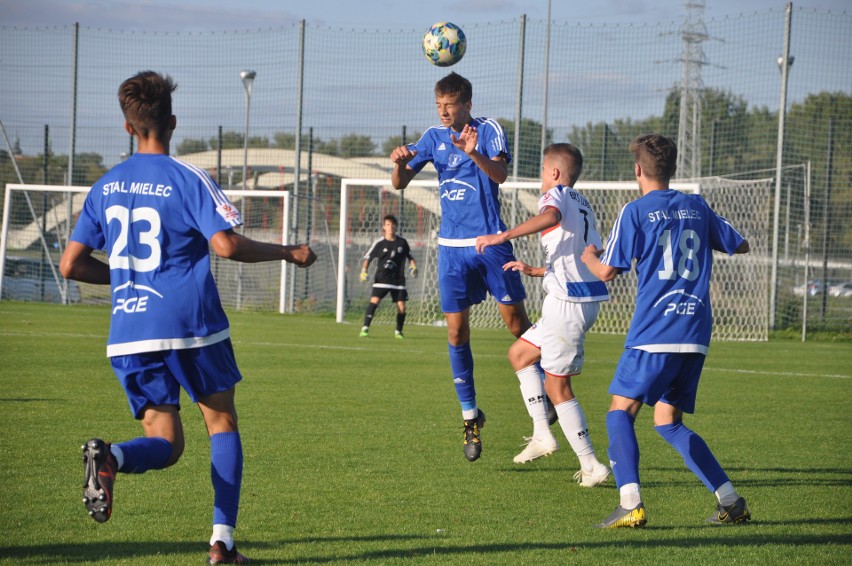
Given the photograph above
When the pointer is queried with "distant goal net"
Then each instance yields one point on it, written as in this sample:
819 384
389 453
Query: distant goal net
739 288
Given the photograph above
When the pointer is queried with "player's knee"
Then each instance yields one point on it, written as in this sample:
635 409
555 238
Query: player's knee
522 354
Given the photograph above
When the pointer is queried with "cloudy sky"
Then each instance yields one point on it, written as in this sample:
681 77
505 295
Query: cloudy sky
210 15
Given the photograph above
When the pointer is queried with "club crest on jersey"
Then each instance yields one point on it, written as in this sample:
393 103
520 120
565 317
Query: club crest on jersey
454 160
229 212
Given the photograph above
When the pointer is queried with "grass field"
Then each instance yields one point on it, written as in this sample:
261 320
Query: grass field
353 454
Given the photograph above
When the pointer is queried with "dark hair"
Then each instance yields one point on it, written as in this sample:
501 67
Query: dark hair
656 155
570 159
146 101
390 217
455 84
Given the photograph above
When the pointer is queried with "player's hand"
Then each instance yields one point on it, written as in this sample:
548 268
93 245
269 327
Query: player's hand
591 253
412 269
517 266
483 242
403 154
467 140
362 277
302 255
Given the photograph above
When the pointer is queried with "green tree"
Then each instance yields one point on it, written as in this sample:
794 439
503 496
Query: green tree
230 140
355 145
190 145
394 142
528 154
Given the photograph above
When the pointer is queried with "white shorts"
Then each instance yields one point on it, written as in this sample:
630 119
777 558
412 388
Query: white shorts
561 333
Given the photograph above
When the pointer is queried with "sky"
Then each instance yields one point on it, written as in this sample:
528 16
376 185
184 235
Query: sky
214 15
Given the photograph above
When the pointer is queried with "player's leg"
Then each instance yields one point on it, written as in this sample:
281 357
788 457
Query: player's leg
564 326
154 396
375 299
461 286
400 296
624 459
208 375
524 355
668 422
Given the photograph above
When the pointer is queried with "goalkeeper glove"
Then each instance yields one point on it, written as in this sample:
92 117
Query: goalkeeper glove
363 276
412 269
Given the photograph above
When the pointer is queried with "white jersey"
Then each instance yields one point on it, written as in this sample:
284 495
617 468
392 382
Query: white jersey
566 277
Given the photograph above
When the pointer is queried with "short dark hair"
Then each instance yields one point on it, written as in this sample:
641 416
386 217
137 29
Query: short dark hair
146 101
392 218
570 157
455 84
656 155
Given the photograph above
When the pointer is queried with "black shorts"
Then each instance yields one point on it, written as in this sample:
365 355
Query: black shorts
397 295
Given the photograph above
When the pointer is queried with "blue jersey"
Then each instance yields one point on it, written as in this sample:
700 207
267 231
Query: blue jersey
672 236
154 216
470 204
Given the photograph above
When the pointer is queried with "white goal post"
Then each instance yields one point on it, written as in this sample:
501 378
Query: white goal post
739 288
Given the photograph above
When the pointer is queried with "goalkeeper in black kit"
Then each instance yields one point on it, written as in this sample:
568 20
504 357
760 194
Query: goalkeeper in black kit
392 253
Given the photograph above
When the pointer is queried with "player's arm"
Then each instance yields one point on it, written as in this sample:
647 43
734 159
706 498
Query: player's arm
496 167
524 268
77 263
591 257
743 248
228 244
402 174
547 219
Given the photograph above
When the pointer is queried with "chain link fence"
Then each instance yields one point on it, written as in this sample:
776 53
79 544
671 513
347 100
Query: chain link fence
329 103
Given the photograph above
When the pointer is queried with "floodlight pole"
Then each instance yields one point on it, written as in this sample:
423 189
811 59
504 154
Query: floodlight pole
248 79
784 64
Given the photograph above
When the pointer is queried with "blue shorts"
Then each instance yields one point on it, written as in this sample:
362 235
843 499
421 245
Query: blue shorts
465 277
651 377
155 378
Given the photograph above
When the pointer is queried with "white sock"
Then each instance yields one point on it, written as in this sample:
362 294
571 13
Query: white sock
532 389
470 414
119 456
224 533
726 494
573 423
630 497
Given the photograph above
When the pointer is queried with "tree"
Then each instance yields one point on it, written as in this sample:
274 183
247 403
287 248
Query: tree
394 142
190 145
355 145
230 140
528 155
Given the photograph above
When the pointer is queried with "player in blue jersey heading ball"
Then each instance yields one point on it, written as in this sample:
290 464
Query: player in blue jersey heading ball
671 236
471 157
156 218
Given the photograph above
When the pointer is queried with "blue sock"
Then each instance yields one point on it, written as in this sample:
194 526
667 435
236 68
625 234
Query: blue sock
461 363
696 455
145 453
623 447
226 473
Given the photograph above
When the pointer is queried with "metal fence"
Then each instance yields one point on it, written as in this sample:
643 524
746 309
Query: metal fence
351 93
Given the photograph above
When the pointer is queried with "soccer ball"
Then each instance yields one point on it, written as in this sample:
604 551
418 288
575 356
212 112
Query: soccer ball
444 44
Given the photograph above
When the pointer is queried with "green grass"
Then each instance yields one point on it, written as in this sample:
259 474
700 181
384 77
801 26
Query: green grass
353 454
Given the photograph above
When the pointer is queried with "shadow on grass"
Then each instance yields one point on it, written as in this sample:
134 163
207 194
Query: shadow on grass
160 551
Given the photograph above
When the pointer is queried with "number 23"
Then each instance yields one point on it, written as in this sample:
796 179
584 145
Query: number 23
126 217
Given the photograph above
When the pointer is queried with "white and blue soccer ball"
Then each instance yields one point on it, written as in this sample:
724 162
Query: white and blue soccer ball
444 44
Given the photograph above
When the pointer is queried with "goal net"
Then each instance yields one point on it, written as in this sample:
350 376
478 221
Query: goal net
739 289
38 220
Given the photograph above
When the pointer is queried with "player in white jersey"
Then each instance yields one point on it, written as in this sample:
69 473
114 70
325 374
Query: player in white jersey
671 236
471 158
567 225
156 218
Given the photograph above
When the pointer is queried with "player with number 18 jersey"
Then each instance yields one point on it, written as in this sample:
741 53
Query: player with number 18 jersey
673 311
